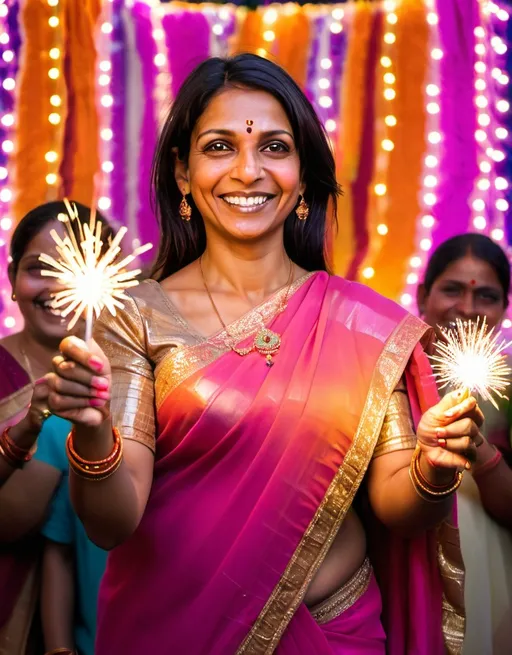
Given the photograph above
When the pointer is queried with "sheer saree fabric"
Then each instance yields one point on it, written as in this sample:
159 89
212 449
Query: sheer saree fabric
255 470
19 570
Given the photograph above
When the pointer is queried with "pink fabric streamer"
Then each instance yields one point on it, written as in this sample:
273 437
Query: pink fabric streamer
457 21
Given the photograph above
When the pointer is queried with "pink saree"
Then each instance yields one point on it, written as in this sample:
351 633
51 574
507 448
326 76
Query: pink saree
256 469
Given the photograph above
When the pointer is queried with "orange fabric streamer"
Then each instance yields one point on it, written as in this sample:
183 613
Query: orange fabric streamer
82 149
292 42
250 35
406 160
34 136
350 125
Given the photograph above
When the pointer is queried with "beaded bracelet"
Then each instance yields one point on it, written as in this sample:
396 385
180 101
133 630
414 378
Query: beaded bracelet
99 469
14 455
425 489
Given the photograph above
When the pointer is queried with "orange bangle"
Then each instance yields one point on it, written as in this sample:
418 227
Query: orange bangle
101 462
426 489
14 455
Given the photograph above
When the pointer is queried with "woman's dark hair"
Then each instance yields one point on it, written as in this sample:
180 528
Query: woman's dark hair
183 242
476 245
36 219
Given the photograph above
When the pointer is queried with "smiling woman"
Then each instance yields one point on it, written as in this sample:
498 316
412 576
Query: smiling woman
25 357
252 395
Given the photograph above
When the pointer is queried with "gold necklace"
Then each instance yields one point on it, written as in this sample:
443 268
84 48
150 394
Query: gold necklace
266 342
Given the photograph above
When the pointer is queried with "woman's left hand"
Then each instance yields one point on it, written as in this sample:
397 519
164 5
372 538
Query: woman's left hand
449 432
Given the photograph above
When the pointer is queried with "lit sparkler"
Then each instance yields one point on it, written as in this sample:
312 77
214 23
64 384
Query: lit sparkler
92 279
472 357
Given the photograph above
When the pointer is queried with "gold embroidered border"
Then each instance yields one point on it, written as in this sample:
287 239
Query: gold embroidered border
14 403
265 634
451 566
184 361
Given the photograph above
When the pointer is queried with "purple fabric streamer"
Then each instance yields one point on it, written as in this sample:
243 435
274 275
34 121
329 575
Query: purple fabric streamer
146 48
338 54
118 91
458 170
187 36
316 26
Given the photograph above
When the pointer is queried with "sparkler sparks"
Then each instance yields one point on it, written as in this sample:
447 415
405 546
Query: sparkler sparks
472 357
92 277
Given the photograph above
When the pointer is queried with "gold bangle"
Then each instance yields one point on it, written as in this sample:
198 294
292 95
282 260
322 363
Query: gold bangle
95 470
424 488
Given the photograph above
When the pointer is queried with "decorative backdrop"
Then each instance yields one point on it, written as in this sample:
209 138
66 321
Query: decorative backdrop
414 95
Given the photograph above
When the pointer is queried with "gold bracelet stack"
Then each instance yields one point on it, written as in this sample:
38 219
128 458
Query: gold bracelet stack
95 470
425 489
14 455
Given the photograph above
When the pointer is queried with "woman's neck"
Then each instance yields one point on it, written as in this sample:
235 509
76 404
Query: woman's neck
245 271
39 355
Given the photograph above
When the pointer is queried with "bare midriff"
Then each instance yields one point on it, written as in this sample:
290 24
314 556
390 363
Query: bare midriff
345 556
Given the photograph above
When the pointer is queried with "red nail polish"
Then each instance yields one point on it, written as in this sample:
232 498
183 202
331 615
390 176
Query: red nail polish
40 381
441 443
103 394
99 383
96 402
96 363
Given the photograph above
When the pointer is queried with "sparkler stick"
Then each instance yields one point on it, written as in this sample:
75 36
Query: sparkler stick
91 279
472 357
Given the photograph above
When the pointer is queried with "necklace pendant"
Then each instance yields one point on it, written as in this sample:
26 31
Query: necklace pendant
267 343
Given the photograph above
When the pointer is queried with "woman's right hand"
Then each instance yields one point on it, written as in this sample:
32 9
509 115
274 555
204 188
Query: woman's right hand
80 383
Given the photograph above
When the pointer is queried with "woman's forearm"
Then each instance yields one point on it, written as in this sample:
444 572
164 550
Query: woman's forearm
495 485
110 509
24 434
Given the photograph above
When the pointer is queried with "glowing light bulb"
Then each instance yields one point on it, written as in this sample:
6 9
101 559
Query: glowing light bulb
387 145
53 3
269 36
382 229
501 205
389 78
106 28
428 221
53 73
430 199
430 181
337 14
55 101
478 205
506 324
485 167
484 120
432 18
479 222
380 189
406 299
160 59
6 224
498 155
431 161
480 49
336 28
325 101
432 90
483 185
480 67
368 273
415 262
106 134
105 66
502 15
501 183
9 322
218 29
8 56
412 278
433 108
54 53
324 83
479 32
436 53
502 106
425 244
385 62
503 79
54 118
104 80
389 38
434 137
500 48
390 121
481 101
158 34
51 156
4 38
480 136
389 94
8 120
480 85
7 146
392 19
53 21
5 195
104 203
107 167
326 63
9 84
3 173
330 125
51 179
497 234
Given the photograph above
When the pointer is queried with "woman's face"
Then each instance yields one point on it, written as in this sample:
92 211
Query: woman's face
34 292
467 289
243 169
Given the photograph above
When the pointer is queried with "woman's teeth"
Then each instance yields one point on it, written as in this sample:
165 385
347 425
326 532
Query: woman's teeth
244 201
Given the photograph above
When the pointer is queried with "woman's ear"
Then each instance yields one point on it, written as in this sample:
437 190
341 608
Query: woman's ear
181 174
11 274
421 298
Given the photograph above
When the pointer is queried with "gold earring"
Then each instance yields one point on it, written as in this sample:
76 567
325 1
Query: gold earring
302 210
13 297
185 209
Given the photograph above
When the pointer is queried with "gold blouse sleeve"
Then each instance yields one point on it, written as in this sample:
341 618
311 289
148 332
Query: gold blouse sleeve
132 405
397 431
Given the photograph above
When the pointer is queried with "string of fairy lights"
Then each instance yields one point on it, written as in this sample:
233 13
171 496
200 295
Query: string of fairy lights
55 54
385 126
428 198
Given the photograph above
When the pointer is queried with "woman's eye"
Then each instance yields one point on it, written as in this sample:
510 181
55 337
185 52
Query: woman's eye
218 146
277 147
489 297
451 291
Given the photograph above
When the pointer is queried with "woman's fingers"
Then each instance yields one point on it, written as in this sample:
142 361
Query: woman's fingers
66 387
90 357
69 370
464 427
468 405
446 459
58 402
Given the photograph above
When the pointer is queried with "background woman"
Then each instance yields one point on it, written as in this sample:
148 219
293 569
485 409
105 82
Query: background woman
469 277
253 391
24 359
